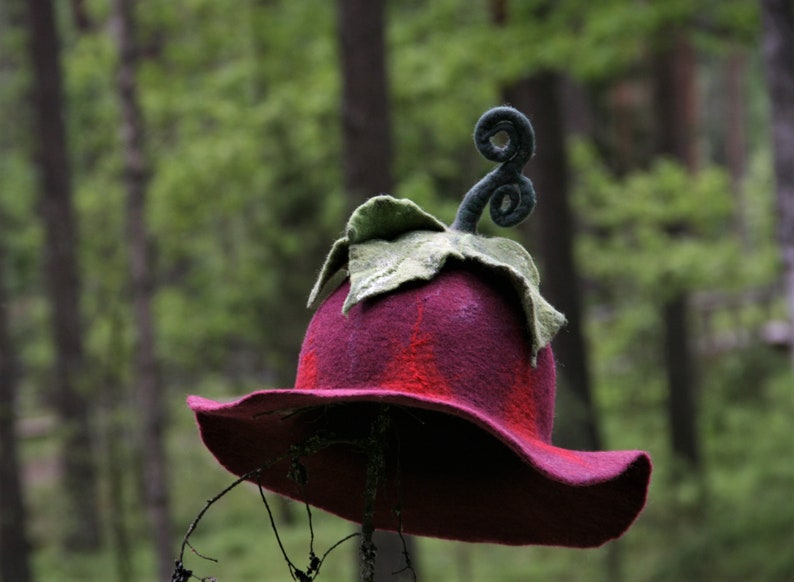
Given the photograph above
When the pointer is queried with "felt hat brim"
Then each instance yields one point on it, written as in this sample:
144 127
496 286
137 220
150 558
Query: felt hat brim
453 473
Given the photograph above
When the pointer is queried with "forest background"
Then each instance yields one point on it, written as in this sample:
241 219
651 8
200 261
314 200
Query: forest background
173 172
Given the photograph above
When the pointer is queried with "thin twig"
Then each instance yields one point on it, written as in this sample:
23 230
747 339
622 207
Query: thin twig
399 510
290 565
298 474
332 548
200 555
308 447
374 446
209 504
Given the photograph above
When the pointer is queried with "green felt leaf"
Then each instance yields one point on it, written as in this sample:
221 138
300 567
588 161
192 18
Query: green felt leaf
380 217
384 217
391 242
336 260
378 267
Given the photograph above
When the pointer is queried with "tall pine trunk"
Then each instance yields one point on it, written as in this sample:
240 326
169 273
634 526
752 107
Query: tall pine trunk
735 140
145 373
62 278
778 49
366 125
367 139
551 229
14 547
675 106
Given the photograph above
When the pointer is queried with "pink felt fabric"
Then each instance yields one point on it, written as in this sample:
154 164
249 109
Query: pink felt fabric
471 418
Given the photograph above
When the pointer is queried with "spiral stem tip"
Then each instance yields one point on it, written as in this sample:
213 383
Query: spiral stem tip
511 194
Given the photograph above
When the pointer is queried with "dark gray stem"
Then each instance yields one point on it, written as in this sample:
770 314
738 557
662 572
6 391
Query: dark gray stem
511 194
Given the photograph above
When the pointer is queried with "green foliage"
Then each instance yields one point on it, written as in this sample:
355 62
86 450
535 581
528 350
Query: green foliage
441 82
744 530
661 231
644 237
245 182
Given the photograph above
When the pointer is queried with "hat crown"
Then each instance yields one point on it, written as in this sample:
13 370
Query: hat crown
457 338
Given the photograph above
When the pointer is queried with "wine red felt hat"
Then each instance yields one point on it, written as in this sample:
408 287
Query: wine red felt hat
444 333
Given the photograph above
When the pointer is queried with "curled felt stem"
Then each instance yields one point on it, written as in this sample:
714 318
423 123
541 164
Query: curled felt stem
511 193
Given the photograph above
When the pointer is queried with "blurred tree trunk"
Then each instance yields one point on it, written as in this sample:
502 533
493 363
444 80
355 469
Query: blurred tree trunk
578 109
14 547
367 139
261 11
114 432
366 126
675 106
778 50
552 231
145 373
80 17
61 272
735 140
